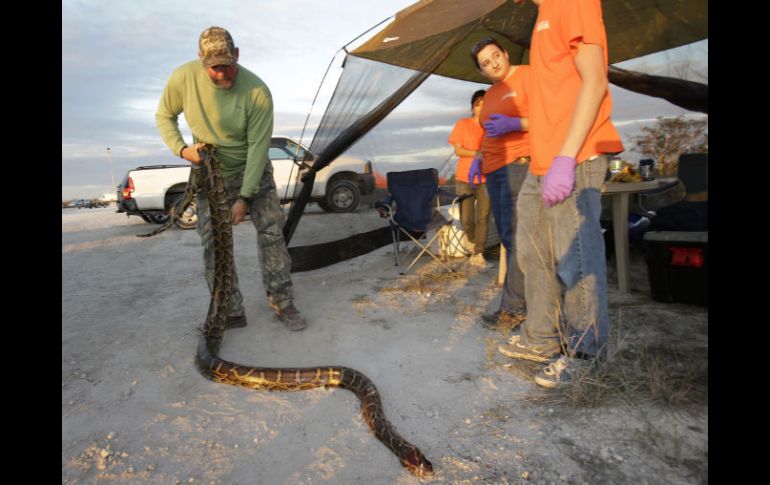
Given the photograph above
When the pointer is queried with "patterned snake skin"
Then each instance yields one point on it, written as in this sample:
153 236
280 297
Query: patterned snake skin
278 379
187 198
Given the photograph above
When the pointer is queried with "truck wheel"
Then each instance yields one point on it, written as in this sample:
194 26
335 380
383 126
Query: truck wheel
156 218
189 218
342 196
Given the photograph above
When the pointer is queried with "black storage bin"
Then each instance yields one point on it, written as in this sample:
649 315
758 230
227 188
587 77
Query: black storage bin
677 263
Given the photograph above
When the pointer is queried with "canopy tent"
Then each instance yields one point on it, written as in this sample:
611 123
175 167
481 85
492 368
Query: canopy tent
634 28
435 37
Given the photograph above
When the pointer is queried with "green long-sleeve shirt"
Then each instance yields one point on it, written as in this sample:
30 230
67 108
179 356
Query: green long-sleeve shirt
239 120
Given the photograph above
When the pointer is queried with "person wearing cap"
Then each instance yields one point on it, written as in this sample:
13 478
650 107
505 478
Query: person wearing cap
466 137
231 108
560 243
503 159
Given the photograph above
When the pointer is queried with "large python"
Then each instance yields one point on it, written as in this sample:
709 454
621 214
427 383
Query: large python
266 378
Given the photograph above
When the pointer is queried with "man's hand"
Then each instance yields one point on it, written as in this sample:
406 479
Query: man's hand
474 172
191 153
559 181
499 125
238 211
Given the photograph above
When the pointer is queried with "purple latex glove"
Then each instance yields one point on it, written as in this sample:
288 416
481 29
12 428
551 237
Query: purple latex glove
499 125
474 171
559 181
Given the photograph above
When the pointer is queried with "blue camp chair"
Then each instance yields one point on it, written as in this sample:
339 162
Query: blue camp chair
412 206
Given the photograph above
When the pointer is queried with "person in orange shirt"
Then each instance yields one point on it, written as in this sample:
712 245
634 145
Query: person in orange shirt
466 137
561 248
504 160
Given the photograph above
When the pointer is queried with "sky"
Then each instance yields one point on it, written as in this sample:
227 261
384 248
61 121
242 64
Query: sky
117 57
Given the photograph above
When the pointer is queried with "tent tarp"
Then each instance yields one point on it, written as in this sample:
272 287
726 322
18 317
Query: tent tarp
634 28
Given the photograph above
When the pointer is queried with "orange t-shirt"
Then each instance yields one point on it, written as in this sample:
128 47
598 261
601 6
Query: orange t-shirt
468 133
560 26
508 97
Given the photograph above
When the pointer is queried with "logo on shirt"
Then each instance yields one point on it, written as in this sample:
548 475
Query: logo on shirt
511 94
545 24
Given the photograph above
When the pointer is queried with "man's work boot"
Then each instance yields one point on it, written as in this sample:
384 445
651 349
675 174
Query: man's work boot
291 318
503 317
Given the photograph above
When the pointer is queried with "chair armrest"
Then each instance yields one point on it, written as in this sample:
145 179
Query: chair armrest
461 198
667 194
455 201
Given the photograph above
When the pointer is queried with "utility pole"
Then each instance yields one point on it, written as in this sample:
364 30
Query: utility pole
109 158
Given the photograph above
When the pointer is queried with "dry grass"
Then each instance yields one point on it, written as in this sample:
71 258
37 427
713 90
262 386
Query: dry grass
444 276
644 373
429 278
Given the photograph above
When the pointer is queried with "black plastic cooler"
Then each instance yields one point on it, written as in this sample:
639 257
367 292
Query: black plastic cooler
677 263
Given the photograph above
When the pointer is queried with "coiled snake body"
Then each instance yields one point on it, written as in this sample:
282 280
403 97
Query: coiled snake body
277 379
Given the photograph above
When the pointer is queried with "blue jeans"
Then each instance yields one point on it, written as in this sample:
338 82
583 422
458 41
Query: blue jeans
561 252
503 186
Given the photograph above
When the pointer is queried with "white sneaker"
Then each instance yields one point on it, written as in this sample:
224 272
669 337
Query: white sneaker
559 373
478 260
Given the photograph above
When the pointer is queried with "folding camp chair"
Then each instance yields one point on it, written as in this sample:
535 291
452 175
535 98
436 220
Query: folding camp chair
413 207
692 174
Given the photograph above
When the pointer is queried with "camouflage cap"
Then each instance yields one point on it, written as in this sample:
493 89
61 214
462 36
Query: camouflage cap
216 47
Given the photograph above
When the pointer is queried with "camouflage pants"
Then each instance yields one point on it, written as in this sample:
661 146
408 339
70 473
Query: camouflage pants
268 219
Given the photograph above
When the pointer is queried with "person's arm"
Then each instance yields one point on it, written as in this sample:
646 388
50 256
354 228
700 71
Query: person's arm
171 104
499 125
259 131
464 152
589 62
559 182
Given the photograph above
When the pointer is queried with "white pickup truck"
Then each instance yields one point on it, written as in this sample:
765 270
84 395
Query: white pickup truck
152 192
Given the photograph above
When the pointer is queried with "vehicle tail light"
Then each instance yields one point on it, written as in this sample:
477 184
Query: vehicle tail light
681 256
128 189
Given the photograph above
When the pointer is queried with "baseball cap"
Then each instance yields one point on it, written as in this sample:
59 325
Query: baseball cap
216 47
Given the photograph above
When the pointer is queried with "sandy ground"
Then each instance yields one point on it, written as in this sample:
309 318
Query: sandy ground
135 410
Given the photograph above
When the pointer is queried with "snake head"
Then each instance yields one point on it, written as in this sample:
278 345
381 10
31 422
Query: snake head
417 464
